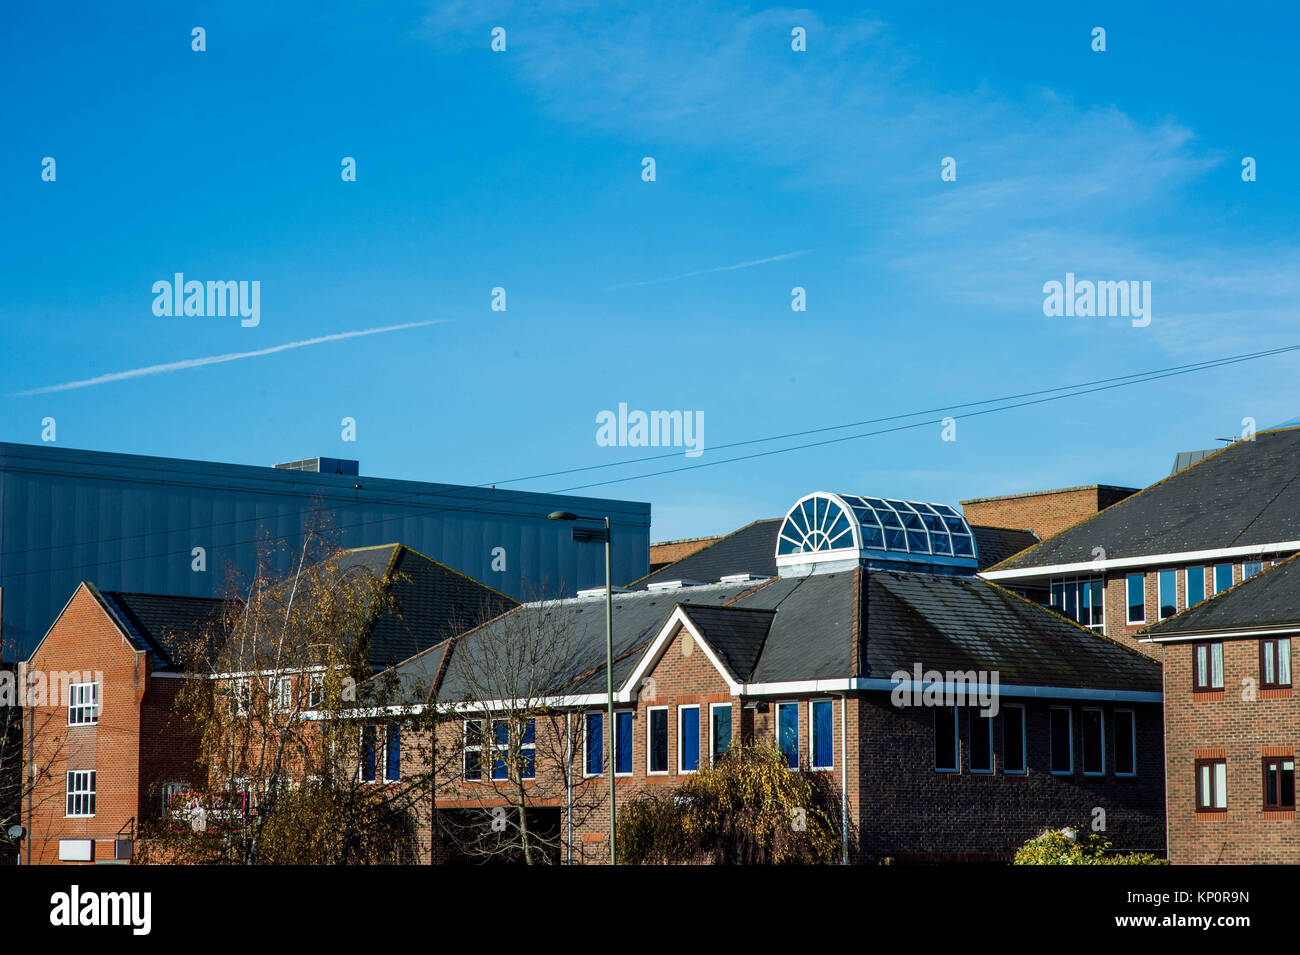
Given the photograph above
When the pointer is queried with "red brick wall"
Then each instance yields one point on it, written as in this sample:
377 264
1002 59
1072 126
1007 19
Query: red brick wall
1242 731
1045 513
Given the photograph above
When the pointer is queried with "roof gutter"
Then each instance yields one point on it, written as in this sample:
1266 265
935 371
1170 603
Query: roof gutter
1144 560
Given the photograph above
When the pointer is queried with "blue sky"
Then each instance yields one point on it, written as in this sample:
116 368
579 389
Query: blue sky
522 170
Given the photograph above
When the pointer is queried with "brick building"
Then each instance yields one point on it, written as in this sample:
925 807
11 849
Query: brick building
1194 534
1044 513
101 733
853 655
1232 724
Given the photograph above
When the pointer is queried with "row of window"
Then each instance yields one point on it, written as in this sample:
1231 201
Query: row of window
1015 752
391 757
1274 664
279 689
1082 599
498 749
1212 784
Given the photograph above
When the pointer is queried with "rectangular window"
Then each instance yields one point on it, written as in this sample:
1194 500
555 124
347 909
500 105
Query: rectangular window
1080 599
688 739
315 690
500 749
81 792
473 750
83 704
1222 577
1094 742
1250 568
280 690
1208 666
241 697
822 727
1014 762
1168 593
1195 585
1275 663
1279 783
1137 600
1125 743
528 750
981 742
623 743
787 732
1062 741
1211 785
369 758
945 739
595 737
719 729
657 740
393 753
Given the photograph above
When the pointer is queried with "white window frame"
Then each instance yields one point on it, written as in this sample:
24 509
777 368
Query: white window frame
315 690
387 778
83 794
1128 603
280 689
973 715
523 747
812 734
86 710
1214 577
1084 755
1160 592
681 738
712 741
586 747
241 696
1187 588
170 789
631 739
649 743
467 747
956 741
1024 741
1069 711
1133 730
499 748
1088 579
798 733
380 741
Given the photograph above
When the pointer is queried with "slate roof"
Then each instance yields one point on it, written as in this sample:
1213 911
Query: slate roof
434 601
1247 493
1268 600
752 550
867 623
165 626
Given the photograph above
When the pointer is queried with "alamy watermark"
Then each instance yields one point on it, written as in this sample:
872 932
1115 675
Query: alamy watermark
208 299
1086 299
946 688
651 429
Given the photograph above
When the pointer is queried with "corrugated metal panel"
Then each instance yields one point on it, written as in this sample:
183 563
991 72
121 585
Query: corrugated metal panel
128 522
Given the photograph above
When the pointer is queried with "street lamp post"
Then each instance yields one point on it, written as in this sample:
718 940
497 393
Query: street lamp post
609 671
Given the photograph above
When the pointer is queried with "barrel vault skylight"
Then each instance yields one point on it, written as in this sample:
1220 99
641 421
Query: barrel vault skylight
825 528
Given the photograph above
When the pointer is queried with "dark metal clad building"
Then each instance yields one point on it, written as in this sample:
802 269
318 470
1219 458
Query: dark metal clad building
134 523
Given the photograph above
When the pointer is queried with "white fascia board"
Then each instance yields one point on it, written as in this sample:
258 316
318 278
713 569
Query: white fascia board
656 650
910 686
1145 560
1219 634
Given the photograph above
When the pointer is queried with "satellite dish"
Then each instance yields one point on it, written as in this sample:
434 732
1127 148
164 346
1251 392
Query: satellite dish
17 832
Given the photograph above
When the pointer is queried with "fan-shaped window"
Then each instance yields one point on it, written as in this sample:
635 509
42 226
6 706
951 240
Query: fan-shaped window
817 524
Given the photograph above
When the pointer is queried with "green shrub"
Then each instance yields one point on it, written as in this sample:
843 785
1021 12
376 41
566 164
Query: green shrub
1065 847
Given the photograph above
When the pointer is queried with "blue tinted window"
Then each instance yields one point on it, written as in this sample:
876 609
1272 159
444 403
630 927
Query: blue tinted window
501 733
623 742
787 731
1168 593
721 730
1222 577
689 734
1195 585
368 756
1251 568
823 741
658 741
595 743
393 754
1136 598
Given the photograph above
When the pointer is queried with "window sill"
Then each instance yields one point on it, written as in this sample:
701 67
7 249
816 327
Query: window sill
1275 693
1280 815
1207 696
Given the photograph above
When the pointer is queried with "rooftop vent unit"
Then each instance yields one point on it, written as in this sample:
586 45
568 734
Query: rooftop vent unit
322 466
600 591
741 578
826 532
659 585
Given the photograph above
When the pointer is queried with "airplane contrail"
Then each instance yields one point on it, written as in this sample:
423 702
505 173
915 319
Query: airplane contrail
720 268
218 359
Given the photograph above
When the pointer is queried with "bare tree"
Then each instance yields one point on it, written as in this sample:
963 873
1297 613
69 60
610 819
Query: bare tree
25 776
301 765
517 750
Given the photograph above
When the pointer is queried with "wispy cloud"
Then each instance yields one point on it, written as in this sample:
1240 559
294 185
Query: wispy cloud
720 268
187 363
